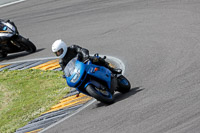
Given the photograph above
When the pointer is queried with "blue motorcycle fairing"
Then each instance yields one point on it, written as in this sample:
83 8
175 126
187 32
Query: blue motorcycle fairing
79 72
85 70
102 73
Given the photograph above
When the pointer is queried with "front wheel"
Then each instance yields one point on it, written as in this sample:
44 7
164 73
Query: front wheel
124 84
101 95
26 44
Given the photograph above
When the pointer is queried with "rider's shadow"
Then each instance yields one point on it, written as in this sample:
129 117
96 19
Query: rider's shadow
19 54
133 91
119 96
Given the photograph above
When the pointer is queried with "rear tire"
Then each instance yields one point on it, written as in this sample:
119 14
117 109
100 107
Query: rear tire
26 44
103 96
124 84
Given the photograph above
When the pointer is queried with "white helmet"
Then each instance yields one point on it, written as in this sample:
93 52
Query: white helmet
59 48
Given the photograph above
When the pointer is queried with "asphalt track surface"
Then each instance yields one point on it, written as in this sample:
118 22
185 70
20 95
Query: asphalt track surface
158 41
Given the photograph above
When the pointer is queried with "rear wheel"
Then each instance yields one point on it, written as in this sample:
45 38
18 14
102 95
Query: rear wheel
101 95
26 44
124 84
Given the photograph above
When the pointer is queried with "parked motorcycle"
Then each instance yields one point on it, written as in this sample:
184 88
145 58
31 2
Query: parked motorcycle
95 81
11 41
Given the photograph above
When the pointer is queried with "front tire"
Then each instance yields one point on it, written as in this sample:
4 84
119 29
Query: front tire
26 44
100 95
124 84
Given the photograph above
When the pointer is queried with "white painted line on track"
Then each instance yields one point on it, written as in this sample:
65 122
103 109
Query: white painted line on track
77 111
120 63
11 3
47 58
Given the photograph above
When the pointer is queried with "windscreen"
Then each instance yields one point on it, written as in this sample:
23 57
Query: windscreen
70 67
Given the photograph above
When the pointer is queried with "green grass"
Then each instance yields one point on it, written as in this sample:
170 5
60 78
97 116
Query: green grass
25 94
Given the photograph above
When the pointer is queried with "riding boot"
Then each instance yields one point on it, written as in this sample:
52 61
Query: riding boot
113 70
102 62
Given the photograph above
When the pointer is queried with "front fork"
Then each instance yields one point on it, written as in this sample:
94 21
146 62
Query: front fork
114 82
14 42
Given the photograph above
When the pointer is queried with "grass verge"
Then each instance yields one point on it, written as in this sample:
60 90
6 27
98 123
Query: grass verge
25 94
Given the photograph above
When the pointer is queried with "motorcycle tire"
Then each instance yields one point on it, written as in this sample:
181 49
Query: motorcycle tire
26 44
124 84
105 97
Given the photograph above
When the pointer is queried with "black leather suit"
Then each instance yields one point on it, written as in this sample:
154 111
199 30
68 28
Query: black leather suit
82 54
72 52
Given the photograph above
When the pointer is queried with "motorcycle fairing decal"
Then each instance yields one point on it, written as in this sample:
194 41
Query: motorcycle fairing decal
4 31
6 34
4 28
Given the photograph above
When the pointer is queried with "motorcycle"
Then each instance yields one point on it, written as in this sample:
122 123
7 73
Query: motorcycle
94 80
11 41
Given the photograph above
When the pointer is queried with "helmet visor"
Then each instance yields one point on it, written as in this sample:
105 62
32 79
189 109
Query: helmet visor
59 52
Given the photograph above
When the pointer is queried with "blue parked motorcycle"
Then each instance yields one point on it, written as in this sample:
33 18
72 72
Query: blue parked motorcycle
95 81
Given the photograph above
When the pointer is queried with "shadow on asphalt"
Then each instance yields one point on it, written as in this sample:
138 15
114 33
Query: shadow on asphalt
133 91
19 54
120 96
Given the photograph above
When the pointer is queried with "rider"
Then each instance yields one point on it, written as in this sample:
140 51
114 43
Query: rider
67 53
